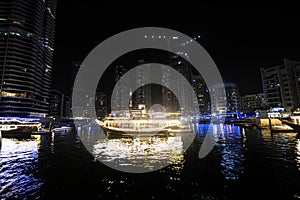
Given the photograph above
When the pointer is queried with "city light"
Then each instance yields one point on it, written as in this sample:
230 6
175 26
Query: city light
151 120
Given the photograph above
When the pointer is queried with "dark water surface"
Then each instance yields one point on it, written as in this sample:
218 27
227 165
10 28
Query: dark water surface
244 164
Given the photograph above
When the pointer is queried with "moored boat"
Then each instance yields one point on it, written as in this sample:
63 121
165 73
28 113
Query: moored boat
15 126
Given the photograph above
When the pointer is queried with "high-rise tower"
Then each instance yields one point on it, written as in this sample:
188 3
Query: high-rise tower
26 56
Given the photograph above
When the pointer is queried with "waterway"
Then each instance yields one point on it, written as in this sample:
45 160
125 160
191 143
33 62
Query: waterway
244 163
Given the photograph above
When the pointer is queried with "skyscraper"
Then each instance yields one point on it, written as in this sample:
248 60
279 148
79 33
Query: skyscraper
219 103
202 94
26 56
121 90
185 72
101 104
142 96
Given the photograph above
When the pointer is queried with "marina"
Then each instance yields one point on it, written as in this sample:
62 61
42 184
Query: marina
52 166
178 105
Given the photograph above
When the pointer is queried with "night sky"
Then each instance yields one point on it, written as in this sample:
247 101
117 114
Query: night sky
240 40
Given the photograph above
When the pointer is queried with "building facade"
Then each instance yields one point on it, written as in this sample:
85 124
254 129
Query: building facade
230 103
169 100
202 94
101 104
26 56
281 85
118 103
250 103
142 97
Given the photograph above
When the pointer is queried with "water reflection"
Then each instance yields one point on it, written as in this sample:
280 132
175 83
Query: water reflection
18 159
231 146
58 164
138 154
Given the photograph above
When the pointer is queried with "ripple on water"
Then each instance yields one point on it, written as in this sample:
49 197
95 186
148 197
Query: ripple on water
18 164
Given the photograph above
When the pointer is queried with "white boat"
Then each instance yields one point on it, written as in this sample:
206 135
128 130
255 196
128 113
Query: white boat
132 126
141 124
12 126
62 129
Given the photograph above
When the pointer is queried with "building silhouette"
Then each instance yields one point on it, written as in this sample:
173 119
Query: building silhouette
142 96
118 103
60 105
26 56
202 94
101 104
230 103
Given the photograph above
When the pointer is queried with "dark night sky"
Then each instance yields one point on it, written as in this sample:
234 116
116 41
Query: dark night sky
240 40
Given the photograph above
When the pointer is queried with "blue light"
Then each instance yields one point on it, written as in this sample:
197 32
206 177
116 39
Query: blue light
20 118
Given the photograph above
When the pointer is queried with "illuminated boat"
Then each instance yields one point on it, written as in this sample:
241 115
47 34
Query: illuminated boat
141 124
13 126
131 126
62 129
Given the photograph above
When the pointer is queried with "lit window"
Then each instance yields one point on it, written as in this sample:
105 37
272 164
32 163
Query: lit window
17 22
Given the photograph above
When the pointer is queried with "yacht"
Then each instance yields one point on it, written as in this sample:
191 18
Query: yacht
135 123
11 126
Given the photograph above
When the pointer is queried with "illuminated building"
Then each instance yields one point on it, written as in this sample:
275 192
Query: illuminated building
202 94
118 102
26 55
101 104
185 70
252 102
281 85
229 104
179 62
142 96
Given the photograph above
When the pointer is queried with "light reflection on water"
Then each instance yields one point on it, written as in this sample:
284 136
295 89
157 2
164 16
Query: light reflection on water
58 164
231 146
140 152
18 164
